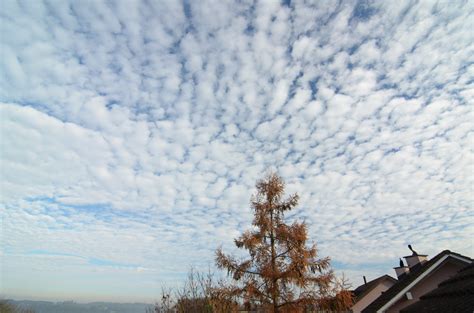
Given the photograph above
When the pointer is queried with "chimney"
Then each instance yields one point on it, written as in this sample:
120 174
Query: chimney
401 270
365 280
415 259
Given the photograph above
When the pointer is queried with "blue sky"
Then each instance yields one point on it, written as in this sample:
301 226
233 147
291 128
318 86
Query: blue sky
133 133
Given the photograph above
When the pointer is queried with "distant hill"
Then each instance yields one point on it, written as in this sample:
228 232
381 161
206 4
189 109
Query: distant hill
73 307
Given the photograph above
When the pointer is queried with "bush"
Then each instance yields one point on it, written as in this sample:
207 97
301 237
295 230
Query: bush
201 293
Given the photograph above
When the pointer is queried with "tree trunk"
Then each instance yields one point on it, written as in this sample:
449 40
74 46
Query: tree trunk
274 279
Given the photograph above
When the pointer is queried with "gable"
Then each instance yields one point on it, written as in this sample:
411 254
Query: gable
453 295
372 292
398 291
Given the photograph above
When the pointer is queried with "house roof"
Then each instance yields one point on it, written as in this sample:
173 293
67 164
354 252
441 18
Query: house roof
409 278
455 294
364 289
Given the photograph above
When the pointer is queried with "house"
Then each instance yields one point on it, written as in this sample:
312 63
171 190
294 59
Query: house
454 295
365 294
416 279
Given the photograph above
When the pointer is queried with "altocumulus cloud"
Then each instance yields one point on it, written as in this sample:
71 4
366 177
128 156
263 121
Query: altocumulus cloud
133 133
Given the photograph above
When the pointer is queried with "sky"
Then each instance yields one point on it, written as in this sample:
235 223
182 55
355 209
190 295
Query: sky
133 133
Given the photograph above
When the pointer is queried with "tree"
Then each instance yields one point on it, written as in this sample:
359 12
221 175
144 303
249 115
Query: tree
282 274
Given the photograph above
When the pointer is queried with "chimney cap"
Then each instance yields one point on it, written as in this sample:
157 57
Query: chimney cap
414 253
419 255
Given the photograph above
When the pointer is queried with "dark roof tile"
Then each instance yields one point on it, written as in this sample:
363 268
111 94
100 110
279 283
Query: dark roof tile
455 294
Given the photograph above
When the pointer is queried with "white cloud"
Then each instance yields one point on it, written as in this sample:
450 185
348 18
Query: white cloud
134 132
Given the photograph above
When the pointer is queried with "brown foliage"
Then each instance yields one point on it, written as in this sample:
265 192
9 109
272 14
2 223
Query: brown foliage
282 273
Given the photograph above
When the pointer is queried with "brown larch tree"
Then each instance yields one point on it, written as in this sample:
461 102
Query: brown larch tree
282 274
